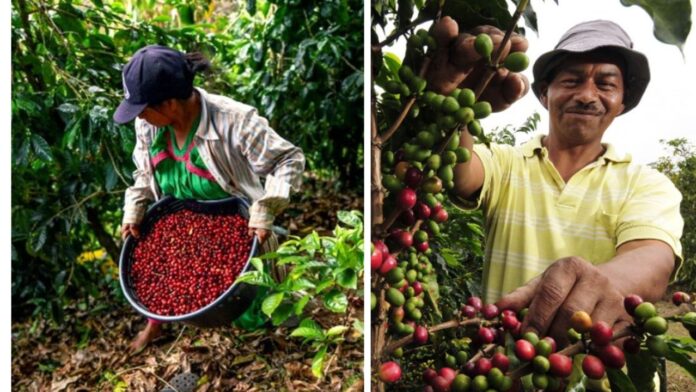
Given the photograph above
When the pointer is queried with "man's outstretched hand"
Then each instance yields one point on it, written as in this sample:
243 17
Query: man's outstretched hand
457 64
568 285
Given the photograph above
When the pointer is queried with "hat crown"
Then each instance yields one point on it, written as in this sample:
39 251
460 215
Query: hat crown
156 73
594 34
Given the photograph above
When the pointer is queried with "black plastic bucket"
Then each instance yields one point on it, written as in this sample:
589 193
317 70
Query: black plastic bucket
227 307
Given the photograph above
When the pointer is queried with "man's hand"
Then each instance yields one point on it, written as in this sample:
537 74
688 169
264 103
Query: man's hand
457 64
261 234
568 285
130 229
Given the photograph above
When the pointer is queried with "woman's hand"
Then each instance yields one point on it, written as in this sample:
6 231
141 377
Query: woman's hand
261 234
130 229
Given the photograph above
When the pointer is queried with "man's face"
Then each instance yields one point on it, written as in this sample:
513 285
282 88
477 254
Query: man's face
583 98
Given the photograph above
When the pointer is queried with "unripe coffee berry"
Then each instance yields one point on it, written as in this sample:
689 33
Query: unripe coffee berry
531 337
540 364
656 325
461 383
645 310
540 381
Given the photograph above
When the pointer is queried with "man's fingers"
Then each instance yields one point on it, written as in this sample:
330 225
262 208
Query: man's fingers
463 54
518 43
444 32
556 283
519 298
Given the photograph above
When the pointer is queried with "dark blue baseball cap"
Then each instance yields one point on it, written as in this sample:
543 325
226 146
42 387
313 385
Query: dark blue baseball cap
154 74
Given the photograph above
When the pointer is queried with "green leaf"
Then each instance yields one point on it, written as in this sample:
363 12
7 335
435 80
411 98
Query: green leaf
672 19
300 305
318 362
392 62
325 284
350 218
359 326
641 370
22 153
347 278
302 284
257 263
296 259
335 301
41 148
38 239
272 302
308 331
677 355
282 313
256 278
619 381
336 330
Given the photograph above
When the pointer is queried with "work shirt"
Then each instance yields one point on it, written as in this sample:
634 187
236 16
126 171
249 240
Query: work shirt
238 147
533 217
180 172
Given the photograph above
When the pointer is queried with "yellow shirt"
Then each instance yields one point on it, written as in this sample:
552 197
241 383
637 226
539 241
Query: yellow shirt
533 218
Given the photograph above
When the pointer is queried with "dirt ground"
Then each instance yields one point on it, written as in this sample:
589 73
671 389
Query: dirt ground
678 380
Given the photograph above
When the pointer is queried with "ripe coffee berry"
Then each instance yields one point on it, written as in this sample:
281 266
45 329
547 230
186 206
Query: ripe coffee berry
188 260
593 367
601 333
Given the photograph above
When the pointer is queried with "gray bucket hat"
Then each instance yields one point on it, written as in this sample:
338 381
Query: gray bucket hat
591 36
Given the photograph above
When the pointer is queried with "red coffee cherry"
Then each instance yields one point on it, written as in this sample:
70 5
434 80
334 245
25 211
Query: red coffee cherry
448 373
561 365
420 335
483 366
601 333
429 375
500 361
631 345
631 302
489 311
475 302
524 350
485 335
593 367
188 260
469 311
680 297
612 356
390 372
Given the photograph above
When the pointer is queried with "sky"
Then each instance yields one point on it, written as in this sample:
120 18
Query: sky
667 109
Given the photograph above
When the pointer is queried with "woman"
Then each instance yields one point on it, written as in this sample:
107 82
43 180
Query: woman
194 145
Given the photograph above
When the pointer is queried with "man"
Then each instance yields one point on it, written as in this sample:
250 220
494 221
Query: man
572 224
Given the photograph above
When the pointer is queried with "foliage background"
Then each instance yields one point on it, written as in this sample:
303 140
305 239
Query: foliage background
298 62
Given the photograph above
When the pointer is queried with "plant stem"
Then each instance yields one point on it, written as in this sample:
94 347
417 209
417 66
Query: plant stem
446 325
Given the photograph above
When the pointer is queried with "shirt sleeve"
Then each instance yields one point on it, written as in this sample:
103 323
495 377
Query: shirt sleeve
652 212
495 161
139 195
274 158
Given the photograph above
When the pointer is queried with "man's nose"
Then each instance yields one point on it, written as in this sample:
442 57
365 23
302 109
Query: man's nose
587 92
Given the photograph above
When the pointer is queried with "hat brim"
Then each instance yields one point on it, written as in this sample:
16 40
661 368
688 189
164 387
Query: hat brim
636 79
127 112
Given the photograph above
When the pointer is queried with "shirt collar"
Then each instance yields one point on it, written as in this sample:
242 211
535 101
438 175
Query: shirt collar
530 149
206 129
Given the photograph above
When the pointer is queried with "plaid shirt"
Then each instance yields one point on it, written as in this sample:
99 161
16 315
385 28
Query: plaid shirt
238 147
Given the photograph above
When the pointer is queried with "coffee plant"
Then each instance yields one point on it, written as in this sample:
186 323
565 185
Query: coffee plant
420 340
326 272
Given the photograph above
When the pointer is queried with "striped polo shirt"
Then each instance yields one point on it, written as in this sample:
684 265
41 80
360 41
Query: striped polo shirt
533 217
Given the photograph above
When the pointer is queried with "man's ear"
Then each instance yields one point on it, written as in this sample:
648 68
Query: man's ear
543 96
